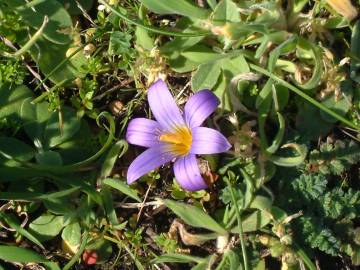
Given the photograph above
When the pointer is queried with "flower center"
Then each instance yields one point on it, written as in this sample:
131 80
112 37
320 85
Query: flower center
179 141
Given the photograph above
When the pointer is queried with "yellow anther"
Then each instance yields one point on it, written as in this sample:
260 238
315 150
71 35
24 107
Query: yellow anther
179 141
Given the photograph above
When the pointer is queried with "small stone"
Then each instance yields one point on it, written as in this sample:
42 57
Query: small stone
116 107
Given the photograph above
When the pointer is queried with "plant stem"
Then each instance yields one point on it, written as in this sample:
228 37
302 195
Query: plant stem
304 96
30 42
304 257
241 233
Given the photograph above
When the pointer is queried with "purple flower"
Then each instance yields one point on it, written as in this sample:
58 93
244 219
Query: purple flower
175 136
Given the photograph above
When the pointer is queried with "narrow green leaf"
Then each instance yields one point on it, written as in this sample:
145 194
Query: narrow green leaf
315 53
111 157
194 216
291 161
279 135
36 196
177 258
122 187
13 223
180 7
20 255
108 205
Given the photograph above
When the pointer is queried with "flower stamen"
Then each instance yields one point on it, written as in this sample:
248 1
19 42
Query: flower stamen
179 141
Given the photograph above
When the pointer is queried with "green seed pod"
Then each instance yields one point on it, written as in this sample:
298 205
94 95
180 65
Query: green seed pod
277 250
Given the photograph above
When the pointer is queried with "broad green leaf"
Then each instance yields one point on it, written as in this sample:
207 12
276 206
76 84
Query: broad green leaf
59 205
262 203
310 124
340 106
212 3
122 187
11 148
71 236
180 7
226 11
80 147
61 127
235 65
59 24
278 214
20 255
49 56
11 98
254 221
194 216
13 223
182 64
34 117
206 76
173 48
119 43
72 8
46 227
142 36
49 158
177 258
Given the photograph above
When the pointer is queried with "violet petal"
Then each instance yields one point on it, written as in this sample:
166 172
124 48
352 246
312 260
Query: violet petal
163 106
199 107
149 160
143 132
187 173
208 141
